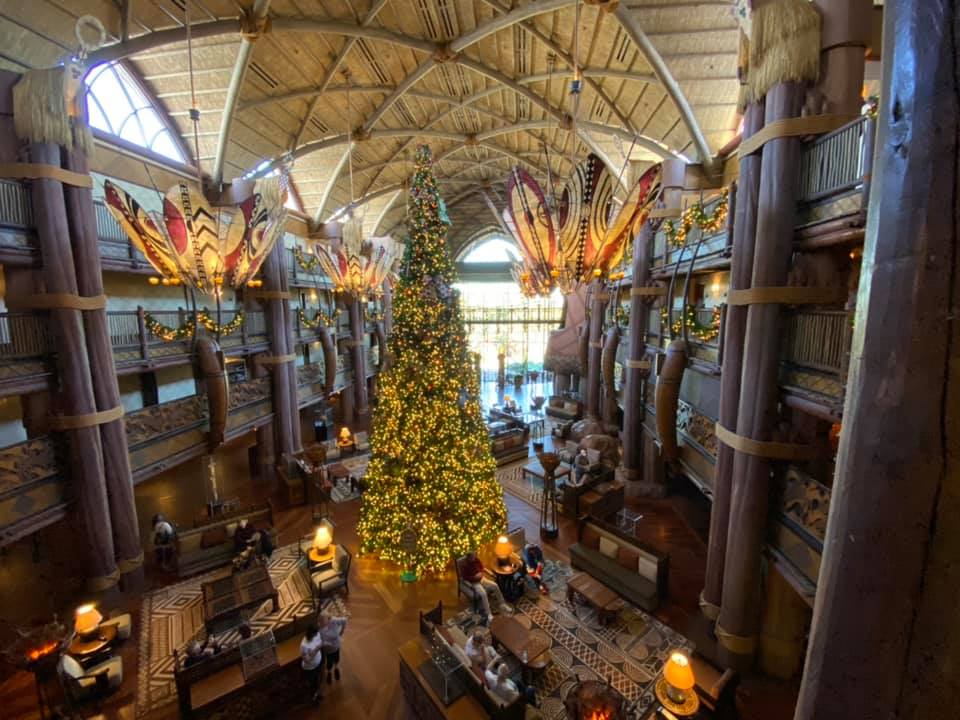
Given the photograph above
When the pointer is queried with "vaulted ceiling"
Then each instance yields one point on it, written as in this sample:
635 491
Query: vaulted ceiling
485 82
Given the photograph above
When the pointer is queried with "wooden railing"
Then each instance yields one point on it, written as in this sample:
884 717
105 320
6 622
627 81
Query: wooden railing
834 162
24 335
818 339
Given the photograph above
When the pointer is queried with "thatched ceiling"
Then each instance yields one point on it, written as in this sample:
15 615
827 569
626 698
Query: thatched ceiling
660 79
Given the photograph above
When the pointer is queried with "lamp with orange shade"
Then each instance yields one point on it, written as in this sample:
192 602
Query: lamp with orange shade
345 439
87 621
321 549
503 550
675 687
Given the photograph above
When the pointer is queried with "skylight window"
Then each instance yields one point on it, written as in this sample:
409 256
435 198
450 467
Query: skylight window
496 250
118 105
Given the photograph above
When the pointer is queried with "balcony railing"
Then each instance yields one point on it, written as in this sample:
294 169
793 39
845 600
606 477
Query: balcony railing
818 339
533 315
834 162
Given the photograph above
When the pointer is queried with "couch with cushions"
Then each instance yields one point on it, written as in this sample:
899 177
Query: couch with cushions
210 545
563 408
509 445
621 562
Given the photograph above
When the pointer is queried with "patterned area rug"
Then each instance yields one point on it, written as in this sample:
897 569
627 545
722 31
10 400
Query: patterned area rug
173 616
357 466
629 652
528 489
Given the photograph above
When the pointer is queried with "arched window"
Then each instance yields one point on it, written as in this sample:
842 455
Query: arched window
494 250
117 104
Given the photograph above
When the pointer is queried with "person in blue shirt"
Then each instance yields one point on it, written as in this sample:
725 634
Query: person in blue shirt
533 560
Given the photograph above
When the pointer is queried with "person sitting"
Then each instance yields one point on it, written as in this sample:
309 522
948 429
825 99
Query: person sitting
163 536
531 710
247 536
533 560
478 649
197 652
580 465
499 683
471 570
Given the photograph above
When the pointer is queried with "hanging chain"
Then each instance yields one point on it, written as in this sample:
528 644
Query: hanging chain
194 112
346 74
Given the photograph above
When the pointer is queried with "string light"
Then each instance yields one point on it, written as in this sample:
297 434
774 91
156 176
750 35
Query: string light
319 318
703 333
171 334
695 215
432 490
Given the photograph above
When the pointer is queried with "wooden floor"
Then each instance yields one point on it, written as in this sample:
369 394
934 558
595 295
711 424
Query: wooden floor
384 610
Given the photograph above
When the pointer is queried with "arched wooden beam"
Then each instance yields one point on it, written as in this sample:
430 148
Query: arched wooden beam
630 25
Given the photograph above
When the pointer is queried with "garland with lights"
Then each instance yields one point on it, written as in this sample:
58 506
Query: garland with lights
373 316
695 215
172 334
432 491
319 318
703 333
310 265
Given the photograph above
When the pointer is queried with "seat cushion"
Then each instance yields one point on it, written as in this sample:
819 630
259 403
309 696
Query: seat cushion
70 667
124 625
323 576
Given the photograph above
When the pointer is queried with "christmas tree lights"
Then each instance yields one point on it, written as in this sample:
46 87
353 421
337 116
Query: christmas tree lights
432 492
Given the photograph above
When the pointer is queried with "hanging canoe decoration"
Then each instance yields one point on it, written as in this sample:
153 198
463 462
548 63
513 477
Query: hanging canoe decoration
577 242
355 265
667 397
213 372
201 246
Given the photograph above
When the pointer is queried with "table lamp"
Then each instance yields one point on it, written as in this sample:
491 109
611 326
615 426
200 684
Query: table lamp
503 550
344 436
679 676
87 621
322 538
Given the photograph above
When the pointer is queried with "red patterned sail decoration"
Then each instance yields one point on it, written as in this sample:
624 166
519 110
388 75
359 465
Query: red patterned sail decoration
583 211
198 245
355 265
529 218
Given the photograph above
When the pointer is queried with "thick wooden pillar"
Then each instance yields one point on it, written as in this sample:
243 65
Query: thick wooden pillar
885 641
266 452
599 297
103 372
637 361
346 407
844 37
358 351
738 622
610 406
281 364
786 618
94 544
744 239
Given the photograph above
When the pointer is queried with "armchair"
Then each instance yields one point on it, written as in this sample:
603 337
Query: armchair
327 580
83 683
361 441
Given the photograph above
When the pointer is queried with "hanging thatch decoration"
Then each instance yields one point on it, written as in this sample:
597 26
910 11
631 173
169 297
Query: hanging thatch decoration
784 45
47 108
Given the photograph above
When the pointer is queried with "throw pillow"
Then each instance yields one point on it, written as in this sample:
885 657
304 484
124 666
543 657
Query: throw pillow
570 406
591 538
231 529
609 548
213 537
628 557
647 567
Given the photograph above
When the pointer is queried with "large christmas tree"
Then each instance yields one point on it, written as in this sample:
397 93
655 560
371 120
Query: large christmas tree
432 490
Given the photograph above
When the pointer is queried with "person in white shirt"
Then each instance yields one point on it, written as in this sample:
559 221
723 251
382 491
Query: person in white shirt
499 683
478 650
331 630
311 659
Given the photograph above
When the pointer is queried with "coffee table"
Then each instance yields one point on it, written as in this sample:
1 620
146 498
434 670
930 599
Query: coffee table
604 600
535 469
225 598
531 651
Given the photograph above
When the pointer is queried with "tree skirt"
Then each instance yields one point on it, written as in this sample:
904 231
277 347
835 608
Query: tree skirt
172 617
629 652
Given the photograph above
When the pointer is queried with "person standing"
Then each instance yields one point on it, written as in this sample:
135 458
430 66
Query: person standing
331 631
311 660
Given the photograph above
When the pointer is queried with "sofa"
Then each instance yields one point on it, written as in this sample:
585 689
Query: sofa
563 408
510 444
210 545
621 562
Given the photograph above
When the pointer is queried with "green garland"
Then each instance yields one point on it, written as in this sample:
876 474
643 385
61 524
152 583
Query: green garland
182 332
703 333
374 317
695 215
311 265
319 318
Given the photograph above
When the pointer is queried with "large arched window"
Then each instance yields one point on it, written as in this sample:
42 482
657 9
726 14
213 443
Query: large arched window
118 105
492 250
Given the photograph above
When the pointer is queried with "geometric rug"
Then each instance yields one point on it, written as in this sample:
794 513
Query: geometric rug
357 467
172 617
529 489
628 652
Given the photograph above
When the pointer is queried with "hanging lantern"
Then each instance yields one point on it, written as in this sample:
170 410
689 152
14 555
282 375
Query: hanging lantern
357 266
201 246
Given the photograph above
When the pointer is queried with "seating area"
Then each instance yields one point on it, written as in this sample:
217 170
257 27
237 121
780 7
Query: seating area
211 544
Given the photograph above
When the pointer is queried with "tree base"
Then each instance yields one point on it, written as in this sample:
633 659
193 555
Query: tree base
408 576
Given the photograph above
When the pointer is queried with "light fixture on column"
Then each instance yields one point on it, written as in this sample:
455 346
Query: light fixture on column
675 688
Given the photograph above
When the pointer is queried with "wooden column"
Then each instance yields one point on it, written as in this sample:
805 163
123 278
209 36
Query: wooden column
739 618
285 415
885 642
741 268
346 407
95 540
266 452
113 435
358 351
610 344
638 364
599 297
844 37
786 618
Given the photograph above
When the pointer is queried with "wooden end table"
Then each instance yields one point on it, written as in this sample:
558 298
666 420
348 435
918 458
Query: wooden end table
507 581
604 600
532 652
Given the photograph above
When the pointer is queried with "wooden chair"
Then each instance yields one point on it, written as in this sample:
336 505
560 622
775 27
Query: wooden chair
100 679
430 619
